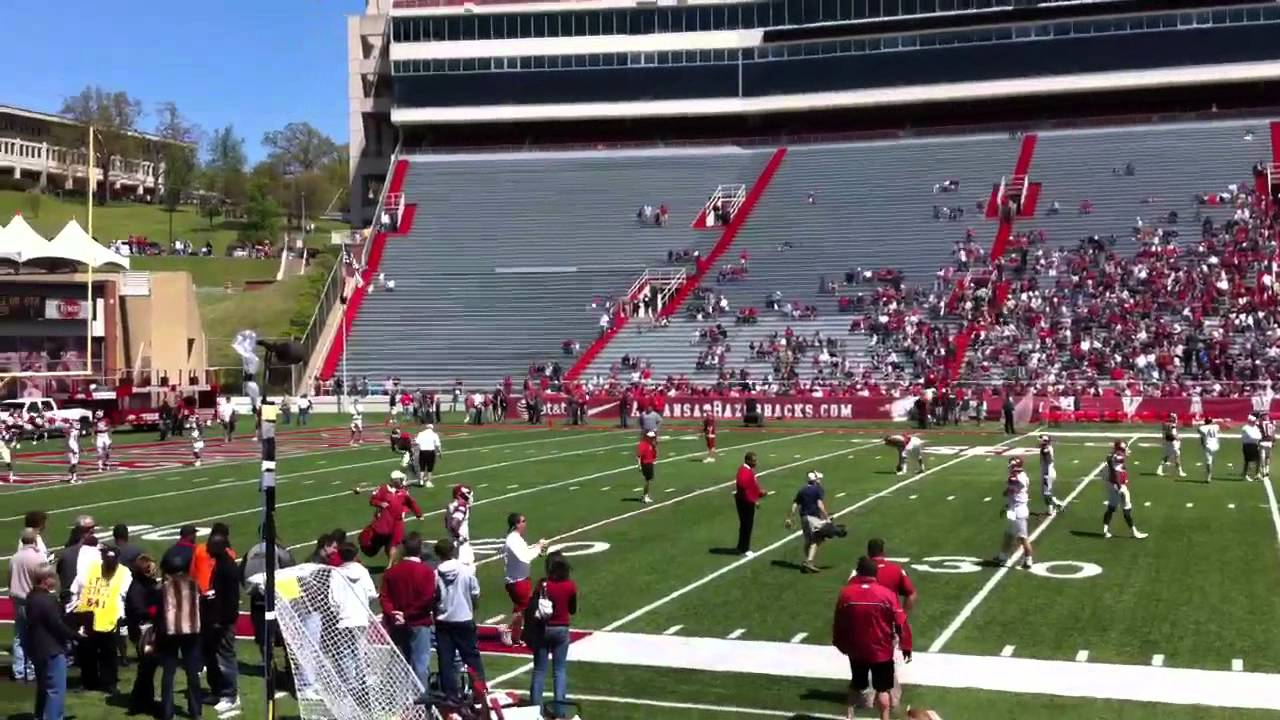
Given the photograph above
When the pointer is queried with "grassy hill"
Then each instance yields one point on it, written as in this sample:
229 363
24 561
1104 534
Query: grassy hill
274 310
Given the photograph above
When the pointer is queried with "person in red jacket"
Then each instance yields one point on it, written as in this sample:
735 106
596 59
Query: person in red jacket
407 597
746 496
392 501
647 454
709 434
868 619
891 575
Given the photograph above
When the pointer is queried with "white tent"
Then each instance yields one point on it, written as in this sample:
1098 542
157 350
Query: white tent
18 242
73 244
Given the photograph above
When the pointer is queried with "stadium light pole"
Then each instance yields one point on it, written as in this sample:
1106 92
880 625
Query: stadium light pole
268 490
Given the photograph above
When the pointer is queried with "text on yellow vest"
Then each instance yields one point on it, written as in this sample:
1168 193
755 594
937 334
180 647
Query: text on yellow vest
101 596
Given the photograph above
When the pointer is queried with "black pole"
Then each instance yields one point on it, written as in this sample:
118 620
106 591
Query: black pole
269 546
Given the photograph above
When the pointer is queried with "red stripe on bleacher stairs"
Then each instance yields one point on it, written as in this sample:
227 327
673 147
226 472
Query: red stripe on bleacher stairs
1025 153
1275 141
960 343
376 247
708 264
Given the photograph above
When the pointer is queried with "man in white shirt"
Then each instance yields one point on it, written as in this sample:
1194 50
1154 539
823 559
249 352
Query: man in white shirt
1017 510
1209 442
1251 444
517 554
429 449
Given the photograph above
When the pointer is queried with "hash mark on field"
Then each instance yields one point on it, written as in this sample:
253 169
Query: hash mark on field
951 497
307 482
840 495
670 490
735 634
322 462
798 637
494 619
335 482
672 630
226 480
1146 504
986 499
513 486
1076 462
1231 506
1191 504
576 487
1082 656
606 487
279 694
636 489
483 485
912 497
1237 665
1007 651
797 456
1157 661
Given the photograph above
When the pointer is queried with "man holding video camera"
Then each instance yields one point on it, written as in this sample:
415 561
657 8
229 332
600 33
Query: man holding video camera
815 524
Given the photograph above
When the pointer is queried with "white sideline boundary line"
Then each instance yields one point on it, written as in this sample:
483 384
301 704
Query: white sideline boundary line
686 496
126 474
792 536
1275 507
729 709
549 486
999 575
1066 678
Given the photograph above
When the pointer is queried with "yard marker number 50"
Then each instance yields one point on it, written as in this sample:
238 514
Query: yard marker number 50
960 564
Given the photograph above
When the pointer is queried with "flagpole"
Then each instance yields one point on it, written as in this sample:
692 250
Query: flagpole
89 284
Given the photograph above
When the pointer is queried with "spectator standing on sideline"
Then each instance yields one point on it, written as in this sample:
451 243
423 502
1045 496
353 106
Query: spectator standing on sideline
36 520
650 422
353 616
891 575
181 552
304 409
407 597
23 567
98 596
178 634
142 608
810 504
128 553
1007 409
868 618
220 607
647 455
429 449
458 592
747 494
562 593
255 563
517 554
202 561
48 635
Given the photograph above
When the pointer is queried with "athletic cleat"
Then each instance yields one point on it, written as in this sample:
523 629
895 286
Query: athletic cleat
1160 471
1027 563
1248 478
1181 474
646 500
1000 560
708 460
1138 534
1106 532
504 632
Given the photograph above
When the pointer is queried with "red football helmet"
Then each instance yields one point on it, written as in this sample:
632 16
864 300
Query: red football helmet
462 493
1121 446
1015 464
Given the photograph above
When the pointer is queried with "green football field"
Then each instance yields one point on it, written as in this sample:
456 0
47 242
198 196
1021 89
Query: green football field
1116 628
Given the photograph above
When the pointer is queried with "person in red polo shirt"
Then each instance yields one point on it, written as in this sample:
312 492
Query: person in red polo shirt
746 496
891 575
407 597
868 619
647 454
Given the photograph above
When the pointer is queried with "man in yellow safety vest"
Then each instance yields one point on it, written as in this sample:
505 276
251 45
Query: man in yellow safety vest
97 597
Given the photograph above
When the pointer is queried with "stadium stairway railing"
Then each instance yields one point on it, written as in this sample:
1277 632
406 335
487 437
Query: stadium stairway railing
707 265
370 272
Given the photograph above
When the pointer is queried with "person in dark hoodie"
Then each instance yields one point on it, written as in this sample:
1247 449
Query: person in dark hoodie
219 609
457 591
142 608
48 636
181 552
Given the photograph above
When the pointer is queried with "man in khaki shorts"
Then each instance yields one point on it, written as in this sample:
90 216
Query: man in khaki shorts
810 505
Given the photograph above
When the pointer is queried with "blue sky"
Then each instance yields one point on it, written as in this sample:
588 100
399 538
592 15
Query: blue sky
257 64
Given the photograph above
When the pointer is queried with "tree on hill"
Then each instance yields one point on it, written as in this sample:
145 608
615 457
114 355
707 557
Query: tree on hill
261 213
113 115
299 148
225 165
181 164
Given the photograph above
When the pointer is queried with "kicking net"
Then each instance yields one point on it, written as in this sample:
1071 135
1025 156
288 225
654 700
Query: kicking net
344 664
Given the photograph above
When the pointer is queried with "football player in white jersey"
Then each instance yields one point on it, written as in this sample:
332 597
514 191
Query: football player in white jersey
1048 474
457 522
1268 428
73 452
6 452
195 431
909 448
1172 446
102 440
1017 499
357 422
1208 430
1118 491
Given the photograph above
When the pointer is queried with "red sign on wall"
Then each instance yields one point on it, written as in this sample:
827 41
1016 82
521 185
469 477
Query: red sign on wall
65 309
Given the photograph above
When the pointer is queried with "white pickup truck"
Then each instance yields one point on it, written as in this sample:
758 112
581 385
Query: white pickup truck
53 416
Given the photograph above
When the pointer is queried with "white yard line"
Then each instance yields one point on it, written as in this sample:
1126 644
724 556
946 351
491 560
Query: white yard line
1237 665
1007 651
686 496
736 634
1275 508
1157 660
1082 656
728 709
986 589
673 630
798 637
570 481
791 538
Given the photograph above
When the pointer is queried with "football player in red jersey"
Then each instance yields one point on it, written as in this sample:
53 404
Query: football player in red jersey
1172 446
709 434
647 455
1017 499
909 448
1118 485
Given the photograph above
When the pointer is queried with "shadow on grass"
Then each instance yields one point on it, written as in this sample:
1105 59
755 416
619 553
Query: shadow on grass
1087 533
724 551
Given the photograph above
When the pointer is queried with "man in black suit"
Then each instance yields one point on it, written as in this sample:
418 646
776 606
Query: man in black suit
48 636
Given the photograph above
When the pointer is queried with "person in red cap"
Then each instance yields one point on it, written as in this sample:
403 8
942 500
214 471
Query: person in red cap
868 619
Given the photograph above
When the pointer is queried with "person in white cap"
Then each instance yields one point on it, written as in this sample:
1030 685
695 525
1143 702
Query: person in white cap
429 449
647 455
810 505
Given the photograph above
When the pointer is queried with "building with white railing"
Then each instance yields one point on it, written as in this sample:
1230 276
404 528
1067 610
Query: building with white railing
39 150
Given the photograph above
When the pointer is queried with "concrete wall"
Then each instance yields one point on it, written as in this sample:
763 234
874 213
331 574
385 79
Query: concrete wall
163 331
